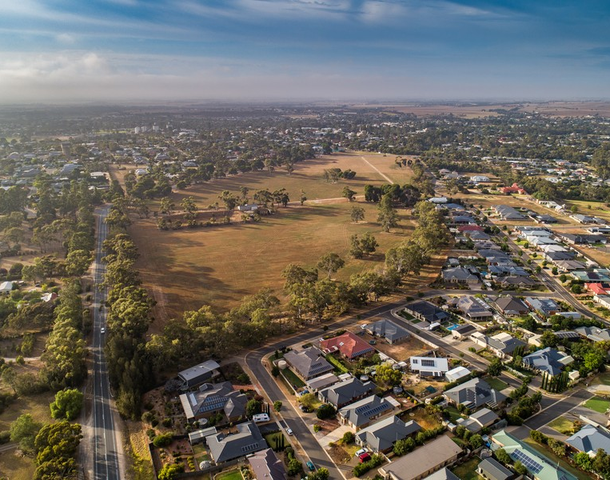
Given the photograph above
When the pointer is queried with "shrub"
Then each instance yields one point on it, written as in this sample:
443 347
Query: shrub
163 440
167 422
317 428
348 437
326 411
362 468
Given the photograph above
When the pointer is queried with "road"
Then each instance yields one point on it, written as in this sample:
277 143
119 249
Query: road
105 441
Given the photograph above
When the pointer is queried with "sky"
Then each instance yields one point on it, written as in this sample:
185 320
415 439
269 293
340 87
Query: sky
75 51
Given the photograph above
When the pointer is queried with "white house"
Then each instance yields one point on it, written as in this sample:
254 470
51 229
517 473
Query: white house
6 287
456 373
429 366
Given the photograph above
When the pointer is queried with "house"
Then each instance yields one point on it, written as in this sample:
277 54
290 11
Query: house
474 393
266 466
463 330
360 414
388 330
597 288
308 363
427 311
539 466
429 366
247 440
6 288
479 179
603 300
515 282
558 256
459 275
547 360
508 213
348 344
442 474
514 188
193 376
491 469
594 333
346 392
212 398
474 308
479 420
568 265
382 435
501 345
504 271
423 461
323 381
589 439
199 436
545 307
511 306
598 275
470 228
456 373
438 200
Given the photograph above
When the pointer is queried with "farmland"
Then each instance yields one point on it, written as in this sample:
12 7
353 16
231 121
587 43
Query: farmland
219 265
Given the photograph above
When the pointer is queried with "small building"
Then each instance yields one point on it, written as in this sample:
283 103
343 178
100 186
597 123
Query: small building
429 366
266 466
247 440
346 392
193 376
308 363
382 435
323 381
6 288
199 436
362 413
502 345
459 275
442 474
388 330
491 469
463 330
423 461
456 373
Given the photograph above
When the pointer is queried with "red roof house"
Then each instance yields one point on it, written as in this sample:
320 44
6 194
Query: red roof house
470 228
350 345
597 288
514 188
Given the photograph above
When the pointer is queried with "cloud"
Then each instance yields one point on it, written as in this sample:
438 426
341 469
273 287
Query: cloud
66 39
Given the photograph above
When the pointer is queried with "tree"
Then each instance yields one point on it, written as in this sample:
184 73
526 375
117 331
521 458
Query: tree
303 197
24 430
77 262
387 216
348 193
476 441
495 367
330 263
68 404
549 339
387 375
326 411
361 246
503 457
56 445
520 468
277 405
170 471
167 206
189 207
229 199
294 467
357 214
404 446
253 407
348 437
320 474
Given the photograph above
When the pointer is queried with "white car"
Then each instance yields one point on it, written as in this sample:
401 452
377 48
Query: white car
102 330
289 431
360 452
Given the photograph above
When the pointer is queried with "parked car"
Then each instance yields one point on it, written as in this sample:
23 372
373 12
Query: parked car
365 457
373 342
360 452
102 330
289 431
311 466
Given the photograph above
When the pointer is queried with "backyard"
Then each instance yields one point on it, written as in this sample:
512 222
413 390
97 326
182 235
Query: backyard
467 470
496 383
232 475
423 417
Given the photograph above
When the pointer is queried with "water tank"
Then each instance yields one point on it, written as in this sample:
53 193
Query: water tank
282 364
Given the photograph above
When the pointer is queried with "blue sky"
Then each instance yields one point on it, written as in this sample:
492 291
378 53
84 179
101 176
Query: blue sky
156 50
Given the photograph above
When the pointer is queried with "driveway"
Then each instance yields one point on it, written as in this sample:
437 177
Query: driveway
334 436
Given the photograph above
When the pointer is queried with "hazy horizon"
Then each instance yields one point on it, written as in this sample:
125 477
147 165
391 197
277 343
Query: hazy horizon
153 52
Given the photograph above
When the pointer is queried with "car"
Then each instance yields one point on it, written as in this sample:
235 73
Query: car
102 330
310 465
372 342
289 431
305 409
361 452
365 457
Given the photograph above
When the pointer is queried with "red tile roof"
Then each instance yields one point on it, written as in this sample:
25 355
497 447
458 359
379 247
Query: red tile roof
596 288
348 344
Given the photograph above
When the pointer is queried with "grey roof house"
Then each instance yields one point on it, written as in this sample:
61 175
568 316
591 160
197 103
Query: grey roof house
473 308
547 360
474 393
511 306
491 469
595 334
543 306
266 465
427 311
479 420
211 398
346 392
589 439
360 414
388 330
247 440
463 330
381 436
459 275
308 363
502 345
193 376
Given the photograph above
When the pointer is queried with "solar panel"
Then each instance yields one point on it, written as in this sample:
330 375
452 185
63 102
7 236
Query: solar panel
529 463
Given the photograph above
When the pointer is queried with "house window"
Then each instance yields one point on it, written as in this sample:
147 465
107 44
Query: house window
427 363
415 361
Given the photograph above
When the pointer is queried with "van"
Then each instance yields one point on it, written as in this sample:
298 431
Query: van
260 417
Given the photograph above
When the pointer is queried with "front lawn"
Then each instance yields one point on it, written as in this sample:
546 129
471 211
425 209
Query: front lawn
496 383
276 441
562 425
292 378
598 404
232 475
467 470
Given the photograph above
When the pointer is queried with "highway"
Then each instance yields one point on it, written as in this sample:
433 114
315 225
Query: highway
106 458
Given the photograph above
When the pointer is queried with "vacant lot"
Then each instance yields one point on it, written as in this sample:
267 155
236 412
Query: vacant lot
399 351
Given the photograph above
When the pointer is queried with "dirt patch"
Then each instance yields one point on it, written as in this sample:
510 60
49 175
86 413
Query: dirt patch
328 425
399 351
338 454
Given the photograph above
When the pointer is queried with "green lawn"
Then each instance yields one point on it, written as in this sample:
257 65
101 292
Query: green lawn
232 475
274 440
335 362
467 470
562 425
598 404
292 378
496 383
454 414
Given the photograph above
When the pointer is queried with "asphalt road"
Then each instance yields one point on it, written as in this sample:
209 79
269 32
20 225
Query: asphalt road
105 453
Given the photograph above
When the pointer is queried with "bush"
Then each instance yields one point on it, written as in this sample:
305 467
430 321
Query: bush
348 437
147 417
362 468
317 428
167 422
5 437
294 467
163 440
326 411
